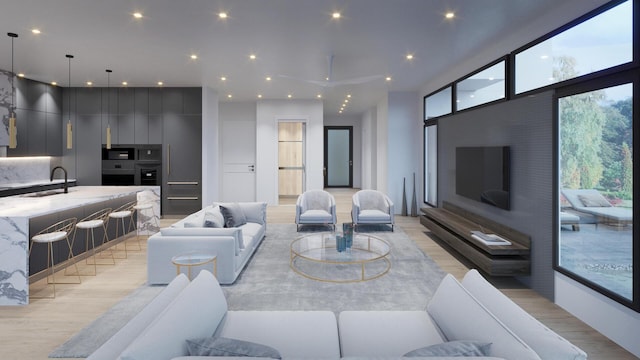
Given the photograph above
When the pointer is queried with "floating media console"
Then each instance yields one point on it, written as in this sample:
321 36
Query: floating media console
464 231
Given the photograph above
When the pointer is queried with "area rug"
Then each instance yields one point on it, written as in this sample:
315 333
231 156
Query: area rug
268 283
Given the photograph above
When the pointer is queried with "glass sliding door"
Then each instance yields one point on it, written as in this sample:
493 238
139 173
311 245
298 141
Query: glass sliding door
431 165
291 158
595 177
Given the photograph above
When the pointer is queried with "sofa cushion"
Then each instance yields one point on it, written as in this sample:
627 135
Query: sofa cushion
255 212
453 348
233 215
385 333
219 346
373 215
213 217
544 341
295 334
196 312
460 316
316 216
194 220
125 336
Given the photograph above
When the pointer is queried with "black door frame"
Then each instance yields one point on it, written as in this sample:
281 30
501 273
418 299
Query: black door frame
326 153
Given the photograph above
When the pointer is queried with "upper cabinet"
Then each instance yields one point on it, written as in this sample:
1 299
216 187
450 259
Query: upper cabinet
38 119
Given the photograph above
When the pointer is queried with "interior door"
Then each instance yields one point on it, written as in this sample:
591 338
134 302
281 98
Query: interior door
291 158
238 161
338 156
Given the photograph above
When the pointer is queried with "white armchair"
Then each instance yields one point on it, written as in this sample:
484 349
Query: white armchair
372 207
316 207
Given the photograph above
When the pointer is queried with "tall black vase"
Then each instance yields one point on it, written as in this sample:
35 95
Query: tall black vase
414 202
404 197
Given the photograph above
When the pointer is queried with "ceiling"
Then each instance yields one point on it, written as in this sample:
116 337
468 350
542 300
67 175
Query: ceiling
295 42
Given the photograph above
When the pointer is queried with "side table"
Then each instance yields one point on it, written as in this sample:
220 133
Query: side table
193 259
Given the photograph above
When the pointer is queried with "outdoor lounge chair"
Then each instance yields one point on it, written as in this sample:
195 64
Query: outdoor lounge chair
590 201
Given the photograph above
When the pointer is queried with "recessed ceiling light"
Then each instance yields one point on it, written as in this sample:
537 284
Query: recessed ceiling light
160 83
252 56
346 101
35 31
409 56
388 78
259 96
194 56
319 96
289 96
137 15
223 78
348 95
450 15
340 112
54 83
89 83
336 15
268 78
20 75
223 15
229 96
124 83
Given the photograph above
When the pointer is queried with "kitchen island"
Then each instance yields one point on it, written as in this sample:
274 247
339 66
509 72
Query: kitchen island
21 216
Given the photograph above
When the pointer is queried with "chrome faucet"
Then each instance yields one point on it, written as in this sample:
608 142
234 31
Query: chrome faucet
66 186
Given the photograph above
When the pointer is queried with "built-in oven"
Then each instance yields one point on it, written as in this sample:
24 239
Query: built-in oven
132 165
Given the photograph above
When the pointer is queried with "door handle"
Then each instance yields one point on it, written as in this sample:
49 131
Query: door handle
168 159
252 168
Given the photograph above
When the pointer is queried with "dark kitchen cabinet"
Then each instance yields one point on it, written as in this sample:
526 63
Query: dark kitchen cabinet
182 178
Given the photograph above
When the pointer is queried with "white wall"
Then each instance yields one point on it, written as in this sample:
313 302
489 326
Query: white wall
615 321
269 112
404 137
380 144
368 155
356 123
210 146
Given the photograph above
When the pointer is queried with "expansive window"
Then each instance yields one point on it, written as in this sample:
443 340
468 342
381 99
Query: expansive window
482 87
437 104
601 42
595 177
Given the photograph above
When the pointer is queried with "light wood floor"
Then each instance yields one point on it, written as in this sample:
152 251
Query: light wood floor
33 331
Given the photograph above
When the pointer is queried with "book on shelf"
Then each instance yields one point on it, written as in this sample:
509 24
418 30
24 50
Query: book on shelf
489 239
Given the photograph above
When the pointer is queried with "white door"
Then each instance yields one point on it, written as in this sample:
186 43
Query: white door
238 161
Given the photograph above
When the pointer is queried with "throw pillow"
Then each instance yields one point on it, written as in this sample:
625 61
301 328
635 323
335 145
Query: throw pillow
593 200
213 218
233 215
453 348
220 346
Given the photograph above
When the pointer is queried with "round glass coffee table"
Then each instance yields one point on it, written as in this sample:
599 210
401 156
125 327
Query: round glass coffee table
316 257
194 259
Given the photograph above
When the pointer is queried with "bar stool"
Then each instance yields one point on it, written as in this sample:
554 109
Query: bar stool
53 233
121 213
89 223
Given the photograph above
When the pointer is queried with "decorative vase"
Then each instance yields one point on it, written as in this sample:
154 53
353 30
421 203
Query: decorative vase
414 202
404 197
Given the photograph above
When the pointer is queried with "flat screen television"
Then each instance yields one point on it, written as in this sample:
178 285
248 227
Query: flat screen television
482 174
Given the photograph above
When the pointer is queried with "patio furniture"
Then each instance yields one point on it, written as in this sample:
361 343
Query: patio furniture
590 201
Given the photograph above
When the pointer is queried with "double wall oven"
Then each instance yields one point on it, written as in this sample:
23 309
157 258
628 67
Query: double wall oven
132 165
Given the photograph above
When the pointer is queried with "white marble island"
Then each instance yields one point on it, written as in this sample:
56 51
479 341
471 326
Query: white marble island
17 211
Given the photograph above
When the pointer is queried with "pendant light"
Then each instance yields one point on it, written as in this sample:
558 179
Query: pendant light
108 109
69 126
13 129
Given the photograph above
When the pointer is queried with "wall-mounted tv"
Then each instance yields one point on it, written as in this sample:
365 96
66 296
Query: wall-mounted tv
482 174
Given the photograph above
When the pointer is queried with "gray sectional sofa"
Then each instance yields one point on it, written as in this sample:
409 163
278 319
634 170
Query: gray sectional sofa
210 231
471 318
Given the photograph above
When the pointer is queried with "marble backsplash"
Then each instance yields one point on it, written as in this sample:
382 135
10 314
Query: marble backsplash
24 170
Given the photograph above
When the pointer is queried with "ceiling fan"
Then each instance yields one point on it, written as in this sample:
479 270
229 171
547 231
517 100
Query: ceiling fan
329 82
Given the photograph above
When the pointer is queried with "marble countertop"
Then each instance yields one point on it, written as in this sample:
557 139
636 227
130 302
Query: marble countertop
30 205
32 184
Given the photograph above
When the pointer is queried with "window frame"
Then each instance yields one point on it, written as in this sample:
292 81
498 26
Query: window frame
624 77
507 91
